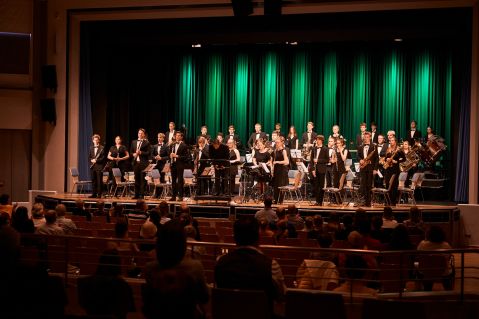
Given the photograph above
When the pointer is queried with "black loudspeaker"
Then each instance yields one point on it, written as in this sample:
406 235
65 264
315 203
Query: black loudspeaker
272 7
49 77
48 110
242 8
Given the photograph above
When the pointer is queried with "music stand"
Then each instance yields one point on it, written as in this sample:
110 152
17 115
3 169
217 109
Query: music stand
149 168
249 158
296 154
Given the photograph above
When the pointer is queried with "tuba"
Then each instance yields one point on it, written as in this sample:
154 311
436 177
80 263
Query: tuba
411 159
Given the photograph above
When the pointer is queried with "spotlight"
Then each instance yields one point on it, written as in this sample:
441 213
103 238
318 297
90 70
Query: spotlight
198 45
398 40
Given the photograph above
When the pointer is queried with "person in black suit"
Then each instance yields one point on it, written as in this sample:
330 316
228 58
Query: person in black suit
382 147
204 133
369 162
256 135
179 155
233 136
140 150
160 155
219 154
277 128
309 136
394 156
374 133
317 167
170 134
201 157
360 136
413 134
97 158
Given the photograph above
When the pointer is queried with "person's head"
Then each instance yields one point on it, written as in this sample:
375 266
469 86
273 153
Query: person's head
268 202
367 137
292 210
204 130
179 136
190 232
318 221
413 124
185 219
310 126
391 134
37 210
429 130
380 139
121 228
148 230
335 129
388 213
95 139
171 126
340 143
280 212
161 137
141 205
355 239
141 133
100 205
373 126
356 266
184 208
61 210
155 216
400 238
246 231
4 199
393 142
164 210
219 137
118 210
347 221
231 144
308 222
109 264
170 244
274 136
376 223
405 145
280 142
201 141
260 144
362 127
277 127
79 203
50 217
216 144
118 140
20 215
330 142
325 240
4 219
415 214
257 127
231 129
292 130
436 234
319 140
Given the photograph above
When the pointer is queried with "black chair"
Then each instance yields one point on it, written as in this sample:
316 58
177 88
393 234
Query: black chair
239 304
302 303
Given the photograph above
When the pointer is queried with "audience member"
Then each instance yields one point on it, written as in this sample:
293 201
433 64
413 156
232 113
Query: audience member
175 286
116 210
140 212
80 209
4 219
50 226
147 231
247 267
325 240
378 232
308 224
264 228
333 225
121 232
164 212
66 224
21 222
400 239
5 205
294 218
388 218
193 251
317 227
415 224
38 217
343 233
155 217
106 292
356 268
267 212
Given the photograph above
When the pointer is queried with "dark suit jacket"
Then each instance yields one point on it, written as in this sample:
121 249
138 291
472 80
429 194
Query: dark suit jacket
359 140
222 153
235 138
145 151
163 154
291 142
167 136
100 157
383 150
417 135
374 138
304 138
183 155
323 158
374 158
252 138
205 154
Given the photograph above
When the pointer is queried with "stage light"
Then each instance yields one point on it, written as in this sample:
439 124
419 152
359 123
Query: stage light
242 8
198 45
398 40
272 7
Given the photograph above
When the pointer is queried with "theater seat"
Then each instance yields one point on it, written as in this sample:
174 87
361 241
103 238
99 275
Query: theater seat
302 303
239 304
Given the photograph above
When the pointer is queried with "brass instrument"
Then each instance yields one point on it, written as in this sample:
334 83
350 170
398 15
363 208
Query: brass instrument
382 160
388 163
367 160
411 159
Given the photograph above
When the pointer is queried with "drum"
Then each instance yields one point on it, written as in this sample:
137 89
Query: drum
435 148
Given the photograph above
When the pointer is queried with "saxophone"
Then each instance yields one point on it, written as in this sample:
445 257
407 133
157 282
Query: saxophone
387 163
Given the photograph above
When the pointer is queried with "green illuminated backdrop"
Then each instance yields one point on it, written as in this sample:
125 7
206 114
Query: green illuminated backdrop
295 85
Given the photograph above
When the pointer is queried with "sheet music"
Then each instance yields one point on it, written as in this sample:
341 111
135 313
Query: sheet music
301 167
265 167
249 158
296 154
379 174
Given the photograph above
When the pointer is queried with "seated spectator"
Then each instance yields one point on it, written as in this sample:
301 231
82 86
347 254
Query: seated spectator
325 241
356 268
175 286
121 232
317 227
38 217
21 222
140 212
400 239
267 212
50 226
388 218
367 240
264 228
147 231
4 219
116 210
106 292
317 273
343 233
5 205
308 224
247 267
193 251
66 224
155 217
164 213
333 225
186 219
281 213
415 224
378 232
80 210
294 218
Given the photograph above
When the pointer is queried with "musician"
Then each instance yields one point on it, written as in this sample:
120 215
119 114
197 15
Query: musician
204 133
261 155
272 144
360 135
331 169
170 135
413 134
430 134
394 156
342 154
179 156
277 128
390 135
382 147
200 161
256 135
160 155
235 161
280 168
335 135
219 154
406 148
374 132
368 161
317 167
118 156
309 136
96 156
233 136
140 150
292 141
